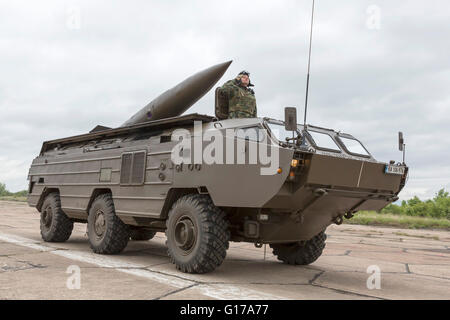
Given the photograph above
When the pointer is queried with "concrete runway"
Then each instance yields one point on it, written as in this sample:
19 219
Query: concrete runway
412 264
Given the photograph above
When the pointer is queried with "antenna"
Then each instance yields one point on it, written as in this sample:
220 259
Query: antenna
309 65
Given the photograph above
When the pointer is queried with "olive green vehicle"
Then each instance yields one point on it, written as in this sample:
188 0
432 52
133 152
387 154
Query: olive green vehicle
124 183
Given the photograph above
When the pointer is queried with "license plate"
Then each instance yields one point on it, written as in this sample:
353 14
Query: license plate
393 169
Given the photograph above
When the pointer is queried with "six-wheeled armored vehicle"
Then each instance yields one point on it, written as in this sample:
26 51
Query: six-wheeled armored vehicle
205 181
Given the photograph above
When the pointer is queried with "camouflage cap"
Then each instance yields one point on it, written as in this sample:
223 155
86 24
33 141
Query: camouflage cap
244 73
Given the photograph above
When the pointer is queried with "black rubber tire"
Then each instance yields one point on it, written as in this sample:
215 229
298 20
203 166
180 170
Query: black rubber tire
300 253
141 235
115 235
55 225
212 234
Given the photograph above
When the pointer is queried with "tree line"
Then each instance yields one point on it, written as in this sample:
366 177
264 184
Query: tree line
438 207
5 193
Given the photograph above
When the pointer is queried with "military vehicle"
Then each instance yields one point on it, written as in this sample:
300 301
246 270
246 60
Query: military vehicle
125 184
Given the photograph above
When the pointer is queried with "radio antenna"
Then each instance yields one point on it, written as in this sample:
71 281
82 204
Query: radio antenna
309 65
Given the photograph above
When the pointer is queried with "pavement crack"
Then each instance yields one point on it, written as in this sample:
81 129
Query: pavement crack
430 276
316 277
38 266
176 276
27 266
156 265
175 291
348 292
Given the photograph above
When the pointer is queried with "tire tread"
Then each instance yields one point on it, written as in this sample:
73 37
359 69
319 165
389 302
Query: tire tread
117 236
61 227
296 254
215 235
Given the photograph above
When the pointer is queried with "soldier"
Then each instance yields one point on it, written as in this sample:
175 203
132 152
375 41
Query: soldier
241 98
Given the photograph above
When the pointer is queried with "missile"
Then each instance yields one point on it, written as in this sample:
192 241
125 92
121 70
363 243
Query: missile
177 100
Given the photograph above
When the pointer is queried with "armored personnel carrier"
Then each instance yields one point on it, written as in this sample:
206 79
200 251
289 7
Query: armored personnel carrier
159 173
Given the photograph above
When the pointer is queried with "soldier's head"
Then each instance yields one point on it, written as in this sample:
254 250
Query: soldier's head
244 78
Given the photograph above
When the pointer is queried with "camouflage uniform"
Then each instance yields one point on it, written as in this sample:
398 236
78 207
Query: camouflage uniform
241 100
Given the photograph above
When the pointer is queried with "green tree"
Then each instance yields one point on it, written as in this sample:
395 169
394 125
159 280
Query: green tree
3 191
441 194
442 204
414 201
438 207
22 193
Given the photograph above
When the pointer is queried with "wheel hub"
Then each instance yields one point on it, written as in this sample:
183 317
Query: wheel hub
185 234
99 223
47 217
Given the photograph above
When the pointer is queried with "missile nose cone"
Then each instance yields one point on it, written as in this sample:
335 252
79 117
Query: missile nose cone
177 100
222 66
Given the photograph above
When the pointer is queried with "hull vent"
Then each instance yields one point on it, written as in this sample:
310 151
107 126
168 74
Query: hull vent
132 170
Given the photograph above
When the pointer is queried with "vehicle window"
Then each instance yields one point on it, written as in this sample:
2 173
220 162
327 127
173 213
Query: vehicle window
354 146
323 140
250 133
279 131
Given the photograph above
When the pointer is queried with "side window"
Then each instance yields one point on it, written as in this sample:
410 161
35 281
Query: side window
132 171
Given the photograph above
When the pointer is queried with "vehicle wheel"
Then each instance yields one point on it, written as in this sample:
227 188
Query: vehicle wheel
107 233
197 234
141 234
55 225
300 253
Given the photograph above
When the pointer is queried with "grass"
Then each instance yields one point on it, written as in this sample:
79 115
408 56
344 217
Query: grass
13 198
371 218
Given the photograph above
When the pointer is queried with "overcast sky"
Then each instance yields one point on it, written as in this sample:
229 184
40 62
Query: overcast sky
378 67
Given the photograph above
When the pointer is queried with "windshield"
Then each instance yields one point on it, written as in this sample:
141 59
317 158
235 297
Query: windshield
279 131
323 140
354 146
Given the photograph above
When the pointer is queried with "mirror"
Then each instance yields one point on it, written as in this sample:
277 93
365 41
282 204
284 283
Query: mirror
290 119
